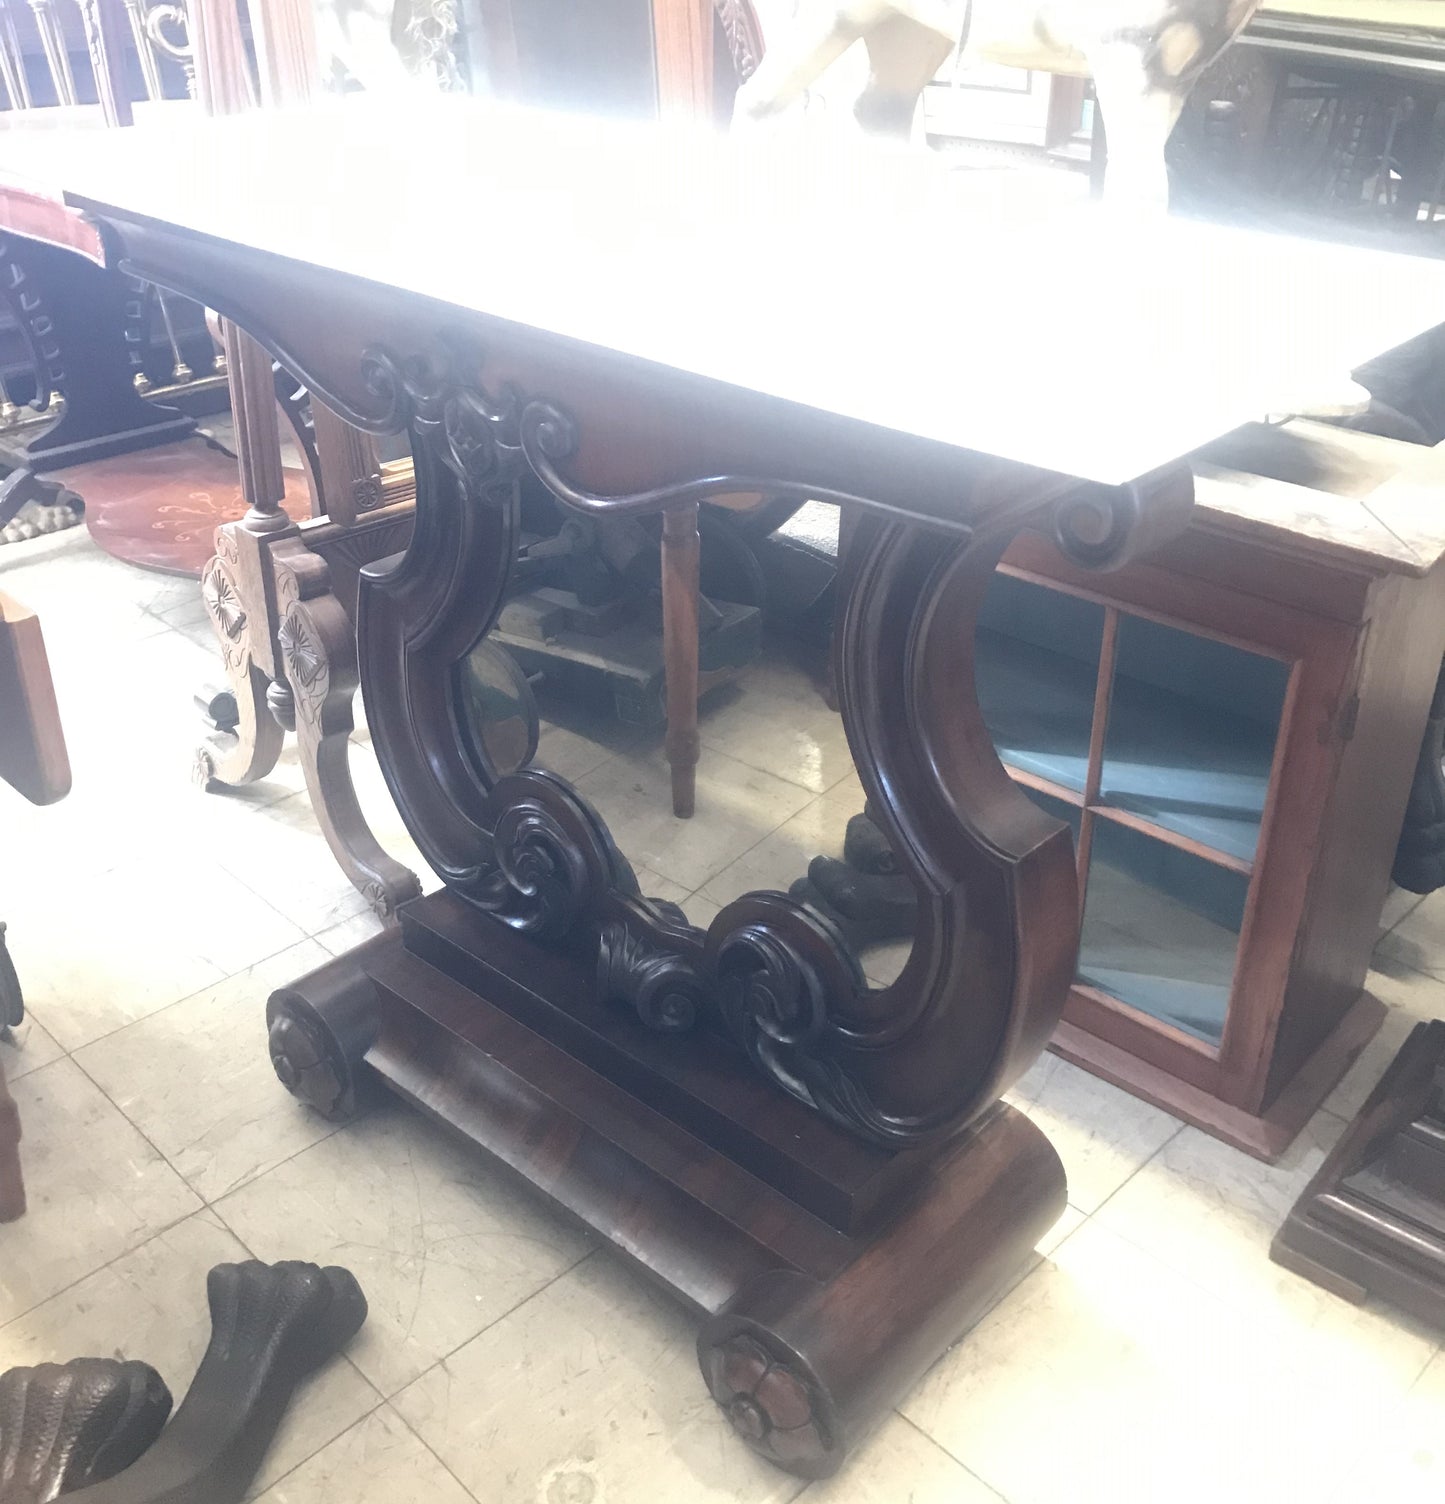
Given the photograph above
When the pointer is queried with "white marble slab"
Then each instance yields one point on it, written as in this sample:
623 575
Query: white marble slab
869 282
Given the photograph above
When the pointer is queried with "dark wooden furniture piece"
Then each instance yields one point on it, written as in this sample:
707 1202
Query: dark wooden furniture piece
33 761
92 1427
821 1169
86 330
67 1426
1327 118
1230 728
1372 1221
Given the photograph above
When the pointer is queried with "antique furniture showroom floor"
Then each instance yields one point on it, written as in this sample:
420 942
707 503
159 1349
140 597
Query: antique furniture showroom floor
700 1117
1150 1351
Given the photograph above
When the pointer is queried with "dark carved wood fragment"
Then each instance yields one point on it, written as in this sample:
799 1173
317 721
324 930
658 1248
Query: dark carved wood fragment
64 1426
1372 1221
271 1325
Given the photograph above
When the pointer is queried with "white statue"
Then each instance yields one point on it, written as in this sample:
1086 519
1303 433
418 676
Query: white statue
869 61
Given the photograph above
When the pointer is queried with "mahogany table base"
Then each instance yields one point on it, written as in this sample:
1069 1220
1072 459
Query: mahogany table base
828 1274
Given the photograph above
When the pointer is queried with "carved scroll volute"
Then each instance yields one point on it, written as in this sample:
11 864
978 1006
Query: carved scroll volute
420 615
994 948
550 860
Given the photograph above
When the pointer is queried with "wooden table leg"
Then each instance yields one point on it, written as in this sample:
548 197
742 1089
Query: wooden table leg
237 585
681 546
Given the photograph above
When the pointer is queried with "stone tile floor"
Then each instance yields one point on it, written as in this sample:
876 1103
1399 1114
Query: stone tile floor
1150 1352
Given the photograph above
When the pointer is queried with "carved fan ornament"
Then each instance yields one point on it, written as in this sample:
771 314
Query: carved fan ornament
223 601
306 665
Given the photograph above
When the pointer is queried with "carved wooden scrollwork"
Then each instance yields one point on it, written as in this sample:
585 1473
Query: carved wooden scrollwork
744 36
981 992
663 988
905 1065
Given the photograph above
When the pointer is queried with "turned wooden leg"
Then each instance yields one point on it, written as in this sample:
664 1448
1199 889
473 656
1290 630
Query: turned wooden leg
12 1183
318 655
681 546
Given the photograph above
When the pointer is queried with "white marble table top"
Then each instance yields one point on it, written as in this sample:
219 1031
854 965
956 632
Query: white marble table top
877 285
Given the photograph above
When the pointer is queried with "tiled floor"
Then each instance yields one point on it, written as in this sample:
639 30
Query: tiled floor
1150 1353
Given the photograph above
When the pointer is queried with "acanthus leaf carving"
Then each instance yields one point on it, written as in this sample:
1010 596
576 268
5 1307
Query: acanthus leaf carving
662 987
547 861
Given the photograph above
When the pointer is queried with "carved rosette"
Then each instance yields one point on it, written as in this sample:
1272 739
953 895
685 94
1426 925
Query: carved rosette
307 667
309 1063
778 1412
366 493
223 603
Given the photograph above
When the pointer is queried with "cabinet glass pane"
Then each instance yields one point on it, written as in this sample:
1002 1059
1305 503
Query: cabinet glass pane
1161 929
1036 658
1192 728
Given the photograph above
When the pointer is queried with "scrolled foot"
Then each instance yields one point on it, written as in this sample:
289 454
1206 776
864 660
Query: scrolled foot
772 1403
65 1426
309 1064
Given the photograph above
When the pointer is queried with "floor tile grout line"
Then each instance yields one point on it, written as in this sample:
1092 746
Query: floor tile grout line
1143 1164
698 891
316 1452
933 1441
446 1357
220 981
431 1451
153 1146
150 1237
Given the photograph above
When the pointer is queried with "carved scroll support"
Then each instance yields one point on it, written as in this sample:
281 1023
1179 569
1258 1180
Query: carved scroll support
821 1169
912 1064
231 586
318 656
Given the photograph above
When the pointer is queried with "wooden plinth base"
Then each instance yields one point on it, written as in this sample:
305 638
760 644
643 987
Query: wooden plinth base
1266 1135
44 453
829 1275
1372 1221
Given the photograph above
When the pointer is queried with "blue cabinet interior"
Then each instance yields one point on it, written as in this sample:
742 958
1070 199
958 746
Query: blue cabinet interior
1188 748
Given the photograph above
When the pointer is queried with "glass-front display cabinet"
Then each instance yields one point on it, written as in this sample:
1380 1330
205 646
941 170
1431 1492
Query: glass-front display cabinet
1227 731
